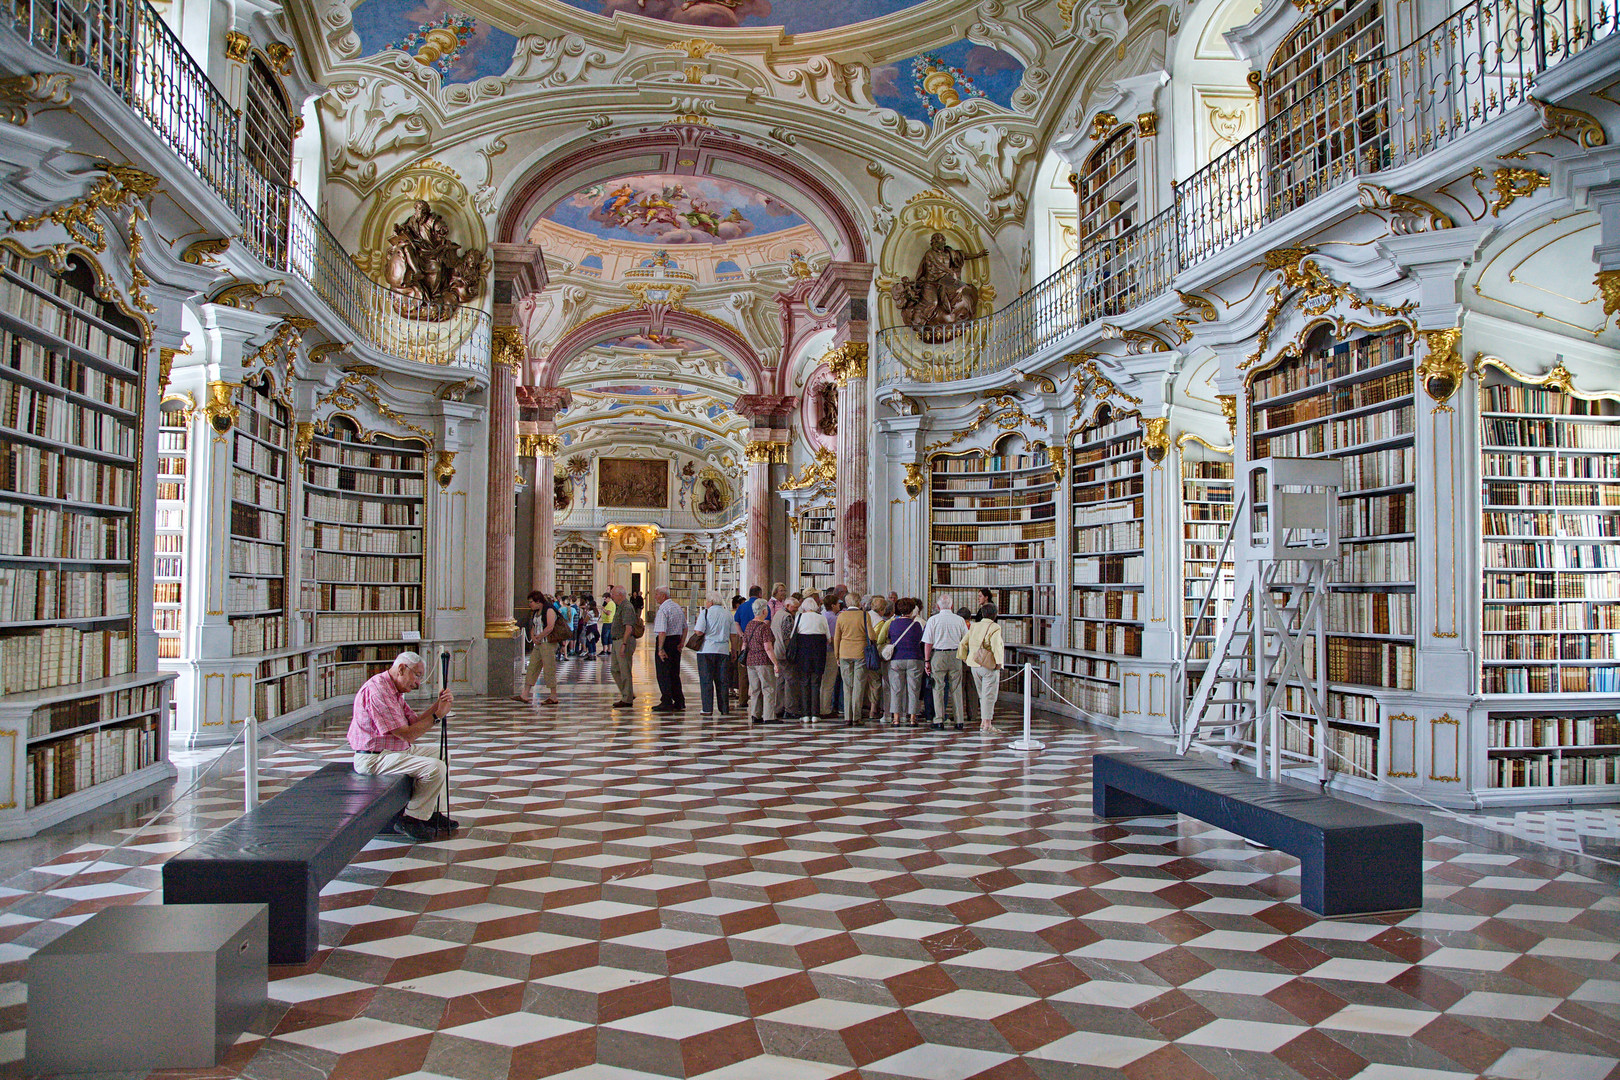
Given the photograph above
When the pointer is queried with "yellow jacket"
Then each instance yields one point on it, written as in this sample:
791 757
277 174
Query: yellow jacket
986 632
849 634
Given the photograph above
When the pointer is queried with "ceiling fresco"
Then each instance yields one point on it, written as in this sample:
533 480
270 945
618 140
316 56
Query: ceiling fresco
795 16
649 340
673 210
922 85
640 392
437 34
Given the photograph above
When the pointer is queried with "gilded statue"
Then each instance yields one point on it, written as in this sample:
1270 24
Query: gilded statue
937 301
425 264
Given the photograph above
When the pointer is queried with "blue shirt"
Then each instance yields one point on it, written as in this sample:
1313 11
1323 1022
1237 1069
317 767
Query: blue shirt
745 612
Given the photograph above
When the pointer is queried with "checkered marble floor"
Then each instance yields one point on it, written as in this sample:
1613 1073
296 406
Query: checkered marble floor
638 896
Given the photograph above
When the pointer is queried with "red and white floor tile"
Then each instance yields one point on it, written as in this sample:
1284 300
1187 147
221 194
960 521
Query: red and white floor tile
636 896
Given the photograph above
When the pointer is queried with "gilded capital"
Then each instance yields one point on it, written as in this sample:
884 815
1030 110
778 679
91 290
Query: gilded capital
765 452
548 445
847 361
528 445
237 46
916 479
1147 125
304 440
507 347
1228 403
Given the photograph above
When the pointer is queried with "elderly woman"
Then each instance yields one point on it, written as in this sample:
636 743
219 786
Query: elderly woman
906 664
984 653
809 642
877 620
759 660
715 624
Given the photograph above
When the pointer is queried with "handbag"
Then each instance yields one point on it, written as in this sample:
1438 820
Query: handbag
694 641
874 662
559 630
791 653
984 656
887 651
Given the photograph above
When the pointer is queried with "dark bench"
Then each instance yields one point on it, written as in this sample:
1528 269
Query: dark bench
284 851
1352 860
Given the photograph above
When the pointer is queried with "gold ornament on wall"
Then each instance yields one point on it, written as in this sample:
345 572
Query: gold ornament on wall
548 445
1442 369
205 252
1512 184
821 471
1155 438
528 445
847 361
1102 124
1228 404
916 479
221 410
304 441
506 346
444 468
238 46
1608 284
1147 125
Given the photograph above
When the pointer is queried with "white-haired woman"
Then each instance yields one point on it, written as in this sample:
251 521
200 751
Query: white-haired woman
714 623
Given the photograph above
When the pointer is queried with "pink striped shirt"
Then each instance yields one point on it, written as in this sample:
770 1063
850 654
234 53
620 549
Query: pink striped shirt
379 710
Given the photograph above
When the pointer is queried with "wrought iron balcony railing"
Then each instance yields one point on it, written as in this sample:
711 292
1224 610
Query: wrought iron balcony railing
128 48
1382 112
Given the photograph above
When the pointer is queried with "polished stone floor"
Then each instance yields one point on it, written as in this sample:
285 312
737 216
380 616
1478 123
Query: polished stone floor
636 896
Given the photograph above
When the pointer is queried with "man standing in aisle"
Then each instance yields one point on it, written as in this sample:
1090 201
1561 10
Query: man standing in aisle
381 733
623 650
669 633
942 634
849 643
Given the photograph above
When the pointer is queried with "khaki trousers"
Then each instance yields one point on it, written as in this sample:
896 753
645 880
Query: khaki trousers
622 657
542 659
853 672
988 682
948 676
762 682
427 772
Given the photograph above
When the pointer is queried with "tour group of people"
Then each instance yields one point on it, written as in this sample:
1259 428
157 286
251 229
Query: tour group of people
806 655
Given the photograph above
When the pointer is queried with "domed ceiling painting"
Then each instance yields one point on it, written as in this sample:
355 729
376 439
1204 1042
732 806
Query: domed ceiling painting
437 35
795 16
670 210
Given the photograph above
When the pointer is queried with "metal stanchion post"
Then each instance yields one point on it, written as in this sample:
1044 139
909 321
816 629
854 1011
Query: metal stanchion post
444 728
250 763
1028 742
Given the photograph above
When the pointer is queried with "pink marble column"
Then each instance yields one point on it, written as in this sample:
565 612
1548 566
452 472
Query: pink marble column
842 288
853 465
767 444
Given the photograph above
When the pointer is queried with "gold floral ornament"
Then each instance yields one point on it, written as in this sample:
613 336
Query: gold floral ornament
821 471
1228 404
304 440
506 346
549 445
1442 369
1306 283
1514 184
119 189
222 411
1608 284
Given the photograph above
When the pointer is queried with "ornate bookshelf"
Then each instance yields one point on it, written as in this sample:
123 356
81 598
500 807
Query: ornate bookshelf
816 548
258 521
71 391
363 543
993 524
1106 601
575 568
688 575
169 569
1207 499
1353 400
1108 188
1550 582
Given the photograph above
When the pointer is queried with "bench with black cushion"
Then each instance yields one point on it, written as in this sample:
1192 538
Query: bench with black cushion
284 851
1353 860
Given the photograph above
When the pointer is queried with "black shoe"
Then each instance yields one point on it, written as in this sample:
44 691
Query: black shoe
416 829
666 708
624 704
445 825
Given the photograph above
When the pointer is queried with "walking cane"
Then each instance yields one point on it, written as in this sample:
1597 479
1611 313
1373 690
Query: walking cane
444 729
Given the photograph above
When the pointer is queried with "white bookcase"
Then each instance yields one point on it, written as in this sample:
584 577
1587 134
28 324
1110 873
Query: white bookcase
87 727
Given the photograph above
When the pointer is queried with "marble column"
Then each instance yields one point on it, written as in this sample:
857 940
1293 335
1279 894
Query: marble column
854 465
768 442
843 288
547 401
499 602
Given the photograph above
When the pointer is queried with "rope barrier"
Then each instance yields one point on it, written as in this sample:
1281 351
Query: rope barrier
195 784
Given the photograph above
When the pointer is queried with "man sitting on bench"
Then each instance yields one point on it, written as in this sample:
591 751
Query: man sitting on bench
381 734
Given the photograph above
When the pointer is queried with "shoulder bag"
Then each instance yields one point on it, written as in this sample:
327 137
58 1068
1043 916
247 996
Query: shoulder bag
887 652
874 662
694 641
559 629
984 656
791 654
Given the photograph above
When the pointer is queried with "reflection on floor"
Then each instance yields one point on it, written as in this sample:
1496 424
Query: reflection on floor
636 895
